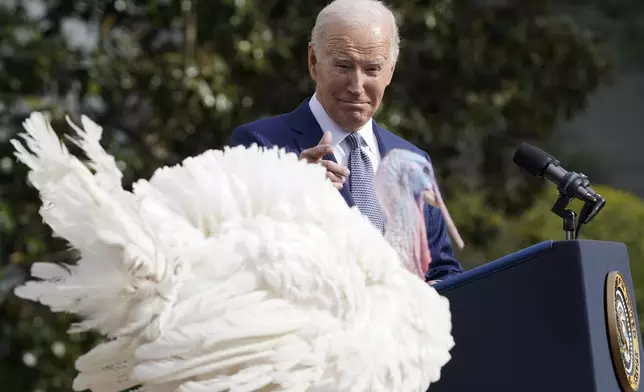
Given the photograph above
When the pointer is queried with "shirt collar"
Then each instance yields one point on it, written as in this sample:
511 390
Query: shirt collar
337 133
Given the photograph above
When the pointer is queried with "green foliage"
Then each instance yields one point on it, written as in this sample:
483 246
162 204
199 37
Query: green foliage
169 79
479 80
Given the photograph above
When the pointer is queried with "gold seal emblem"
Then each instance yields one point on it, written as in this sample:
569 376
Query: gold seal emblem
623 333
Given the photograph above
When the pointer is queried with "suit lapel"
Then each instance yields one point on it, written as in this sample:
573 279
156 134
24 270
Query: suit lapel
385 140
307 134
306 130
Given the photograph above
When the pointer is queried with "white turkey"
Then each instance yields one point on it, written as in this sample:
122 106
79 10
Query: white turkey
217 275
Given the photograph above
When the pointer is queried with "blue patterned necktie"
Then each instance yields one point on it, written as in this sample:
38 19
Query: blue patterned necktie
361 182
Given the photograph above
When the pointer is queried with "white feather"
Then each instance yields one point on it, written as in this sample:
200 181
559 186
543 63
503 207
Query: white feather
107 174
219 275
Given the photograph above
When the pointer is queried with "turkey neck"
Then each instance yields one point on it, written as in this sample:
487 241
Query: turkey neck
401 232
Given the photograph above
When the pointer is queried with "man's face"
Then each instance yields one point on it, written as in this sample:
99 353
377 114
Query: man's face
352 72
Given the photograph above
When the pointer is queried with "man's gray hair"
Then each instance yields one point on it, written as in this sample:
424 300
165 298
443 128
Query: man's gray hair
354 13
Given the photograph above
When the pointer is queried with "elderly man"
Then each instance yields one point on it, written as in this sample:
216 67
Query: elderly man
352 56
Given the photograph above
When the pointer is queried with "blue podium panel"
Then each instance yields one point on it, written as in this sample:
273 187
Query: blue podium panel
538 320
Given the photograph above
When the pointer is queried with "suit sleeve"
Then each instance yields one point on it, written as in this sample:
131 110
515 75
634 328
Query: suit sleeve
444 263
245 136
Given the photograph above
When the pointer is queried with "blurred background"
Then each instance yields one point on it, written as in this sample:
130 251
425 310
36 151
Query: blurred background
168 79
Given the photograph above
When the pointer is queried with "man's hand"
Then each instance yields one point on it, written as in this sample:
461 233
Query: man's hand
334 171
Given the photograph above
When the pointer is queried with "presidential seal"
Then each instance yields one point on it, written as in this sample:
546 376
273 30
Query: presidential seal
622 332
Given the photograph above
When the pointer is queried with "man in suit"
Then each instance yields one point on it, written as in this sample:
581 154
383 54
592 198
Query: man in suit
352 56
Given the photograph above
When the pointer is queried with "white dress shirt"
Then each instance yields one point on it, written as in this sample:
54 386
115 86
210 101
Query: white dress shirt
341 146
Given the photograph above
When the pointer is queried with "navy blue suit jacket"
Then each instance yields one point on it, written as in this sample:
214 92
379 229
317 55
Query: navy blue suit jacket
298 130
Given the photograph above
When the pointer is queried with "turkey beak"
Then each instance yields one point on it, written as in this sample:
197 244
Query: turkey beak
429 196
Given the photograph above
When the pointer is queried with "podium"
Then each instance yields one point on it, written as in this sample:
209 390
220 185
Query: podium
557 316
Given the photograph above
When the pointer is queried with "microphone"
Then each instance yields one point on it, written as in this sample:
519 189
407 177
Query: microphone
541 164
570 184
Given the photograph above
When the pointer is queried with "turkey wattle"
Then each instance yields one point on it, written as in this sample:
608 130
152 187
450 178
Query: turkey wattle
216 275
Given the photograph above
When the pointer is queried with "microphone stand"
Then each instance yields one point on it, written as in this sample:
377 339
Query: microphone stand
569 216
573 224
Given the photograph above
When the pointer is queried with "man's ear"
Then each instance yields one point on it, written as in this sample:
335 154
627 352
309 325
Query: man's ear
313 61
391 73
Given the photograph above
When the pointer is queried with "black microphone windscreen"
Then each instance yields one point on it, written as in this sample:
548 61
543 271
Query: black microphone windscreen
531 159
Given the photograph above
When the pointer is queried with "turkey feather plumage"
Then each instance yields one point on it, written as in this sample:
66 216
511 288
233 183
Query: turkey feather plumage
216 275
